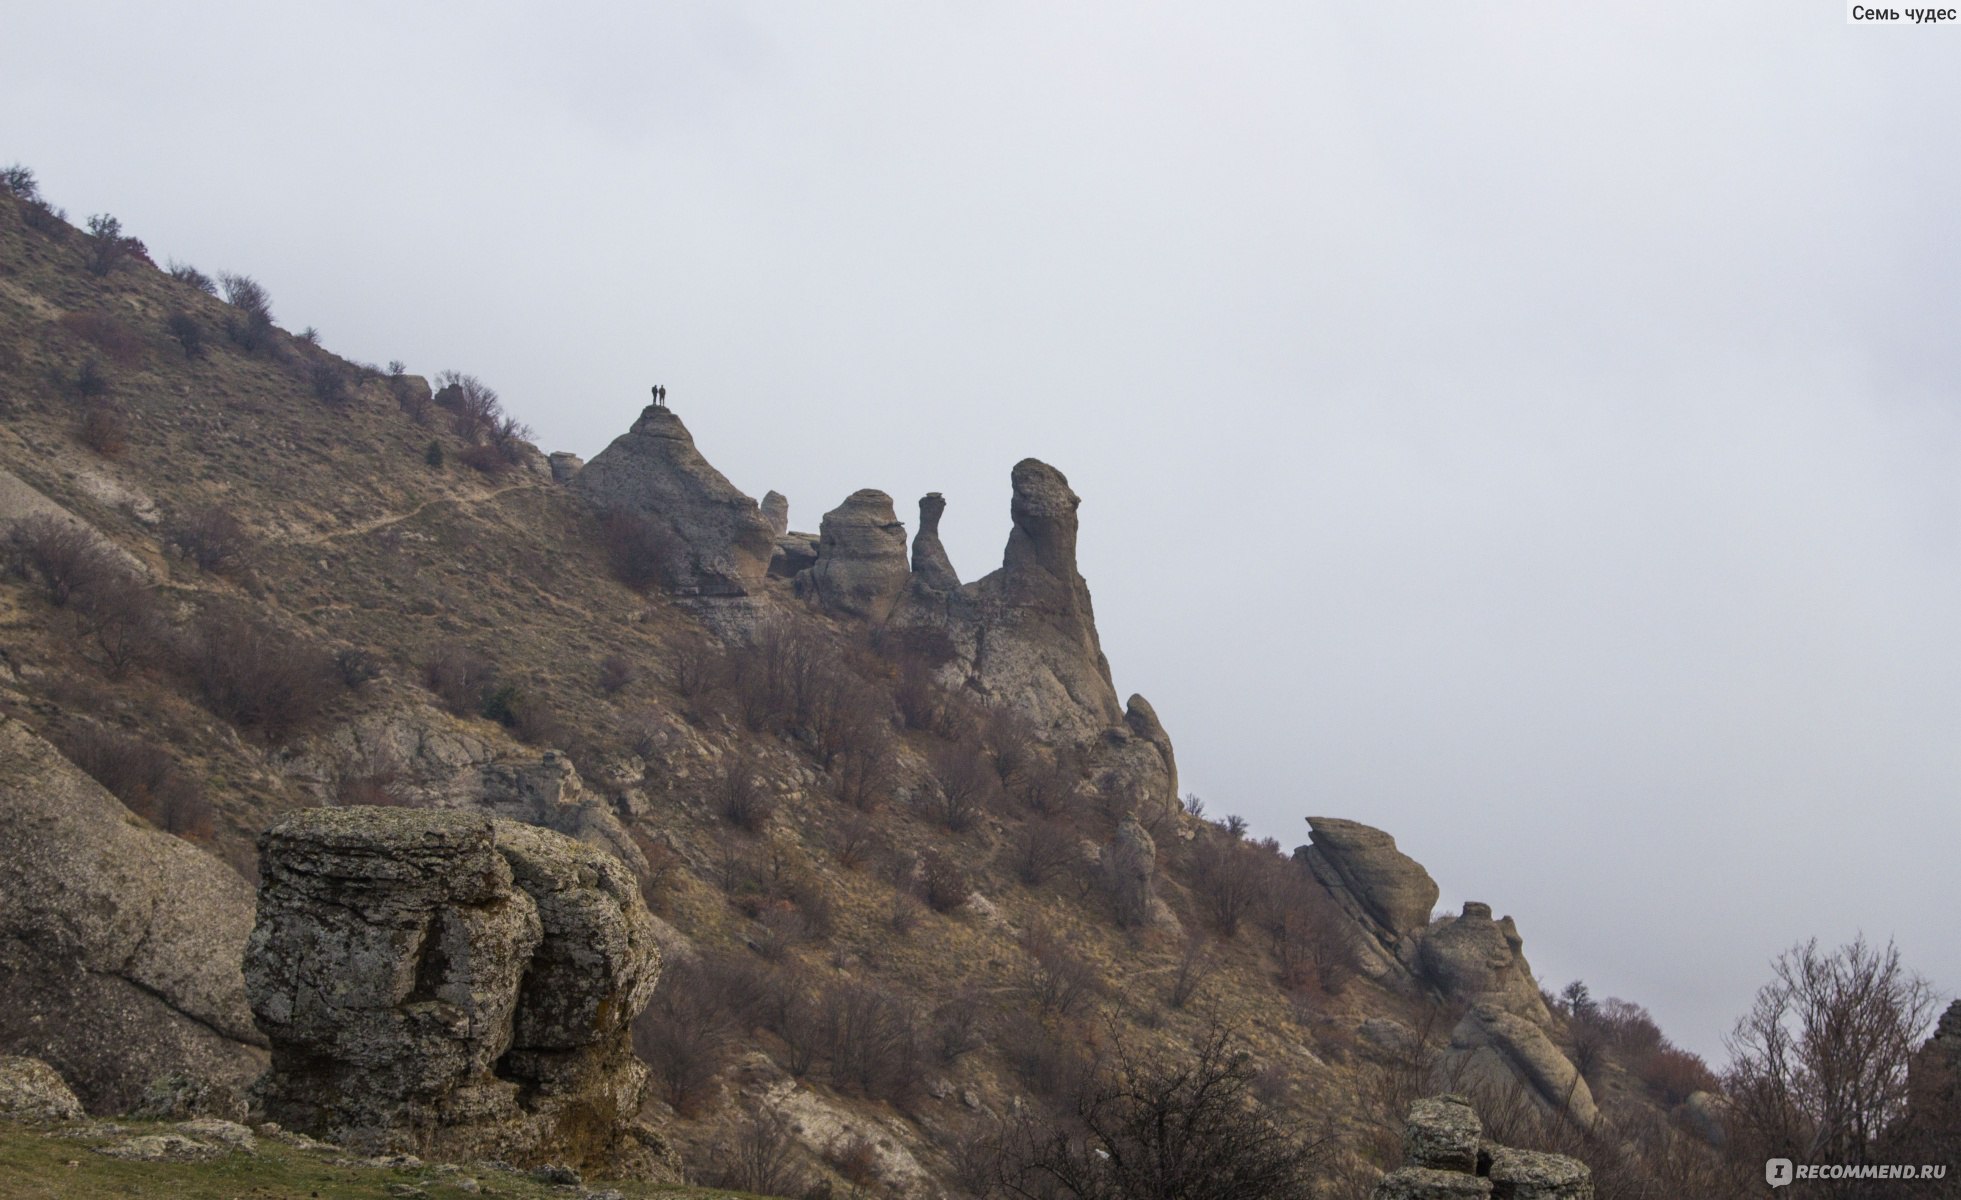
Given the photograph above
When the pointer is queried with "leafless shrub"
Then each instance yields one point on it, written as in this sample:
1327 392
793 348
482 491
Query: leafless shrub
854 1157
854 841
104 429
258 678
867 774
186 273
460 677
108 247
1311 939
760 1157
957 1028
903 916
616 674
143 776
250 328
642 552
1038 850
963 786
215 539
872 1040
740 796
943 884
484 459
663 865
1051 1062
1049 787
1196 963
685 1036
114 339
89 383
328 381
1056 979
64 556
1225 879
187 333
119 621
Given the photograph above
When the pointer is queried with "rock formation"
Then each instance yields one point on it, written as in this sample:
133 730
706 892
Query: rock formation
1387 890
776 510
1472 957
450 984
1445 1156
119 944
931 568
1129 865
565 465
722 541
861 568
31 1090
1493 1047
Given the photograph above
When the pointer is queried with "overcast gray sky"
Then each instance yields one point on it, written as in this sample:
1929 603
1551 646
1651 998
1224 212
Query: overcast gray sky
1526 427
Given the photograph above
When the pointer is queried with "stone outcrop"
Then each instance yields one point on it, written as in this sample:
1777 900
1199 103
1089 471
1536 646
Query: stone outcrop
565 465
931 568
861 569
119 944
1493 1047
793 554
31 1090
449 984
1387 890
1472 957
721 541
1129 864
776 510
1446 1156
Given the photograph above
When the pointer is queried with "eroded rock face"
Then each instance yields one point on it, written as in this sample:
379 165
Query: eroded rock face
119 944
861 568
450 984
1445 1158
1129 866
723 541
1363 868
565 465
1472 957
1493 1046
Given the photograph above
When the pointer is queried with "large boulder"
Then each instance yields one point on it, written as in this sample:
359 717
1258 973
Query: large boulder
449 984
1473 957
1493 1049
1443 1133
1534 1175
776 510
119 944
720 541
861 568
1129 863
1387 889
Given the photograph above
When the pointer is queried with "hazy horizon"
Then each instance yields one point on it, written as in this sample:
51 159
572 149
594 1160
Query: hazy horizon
1528 429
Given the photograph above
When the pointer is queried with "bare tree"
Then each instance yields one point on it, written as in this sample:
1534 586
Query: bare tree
1818 1066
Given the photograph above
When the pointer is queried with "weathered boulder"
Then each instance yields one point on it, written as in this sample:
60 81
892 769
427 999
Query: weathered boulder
1472 957
1443 1134
565 465
1372 879
722 540
1129 864
776 510
931 568
450 984
31 1090
1532 1175
1493 1047
1706 1114
1446 1158
861 568
119 944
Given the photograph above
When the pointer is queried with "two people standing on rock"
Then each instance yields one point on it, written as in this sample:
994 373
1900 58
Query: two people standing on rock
660 396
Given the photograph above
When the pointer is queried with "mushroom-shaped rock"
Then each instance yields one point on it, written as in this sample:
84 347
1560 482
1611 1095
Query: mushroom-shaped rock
119 944
721 542
931 568
448 983
1361 866
861 566
776 510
